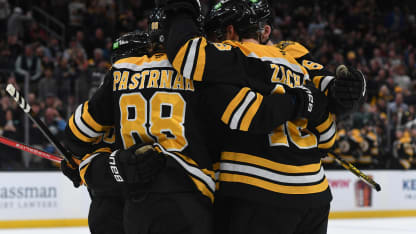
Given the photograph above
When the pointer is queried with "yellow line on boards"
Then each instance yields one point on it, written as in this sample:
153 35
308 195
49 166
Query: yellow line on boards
371 214
43 223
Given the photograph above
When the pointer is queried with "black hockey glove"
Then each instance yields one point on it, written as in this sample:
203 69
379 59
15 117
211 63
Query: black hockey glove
71 173
311 103
173 6
139 164
347 91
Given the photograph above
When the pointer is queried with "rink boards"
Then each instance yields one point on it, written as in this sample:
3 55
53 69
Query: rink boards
46 199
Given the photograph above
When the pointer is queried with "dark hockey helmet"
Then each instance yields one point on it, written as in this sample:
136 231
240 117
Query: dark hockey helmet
248 17
131 44
262 9
231 12
157 29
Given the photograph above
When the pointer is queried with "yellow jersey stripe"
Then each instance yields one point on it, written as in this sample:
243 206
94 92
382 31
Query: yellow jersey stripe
187 159
326 124
233 104
203 188
316 81
251 112
180 57
328 144
254 160
201 60
285 189
87 159
279 89
141 60
77 133
82 173
91 122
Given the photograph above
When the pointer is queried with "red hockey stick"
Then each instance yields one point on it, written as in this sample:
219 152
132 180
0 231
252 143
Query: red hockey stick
24 105
29 149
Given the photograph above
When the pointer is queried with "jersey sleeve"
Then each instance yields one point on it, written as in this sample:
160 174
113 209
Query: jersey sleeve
200 60
327 133
89 122
243 109
320 76
95 172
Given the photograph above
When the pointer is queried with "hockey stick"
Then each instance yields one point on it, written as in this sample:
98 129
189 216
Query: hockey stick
11 90
29 149
355 171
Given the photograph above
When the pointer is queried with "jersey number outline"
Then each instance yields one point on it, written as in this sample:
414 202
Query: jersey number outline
168 130
295 132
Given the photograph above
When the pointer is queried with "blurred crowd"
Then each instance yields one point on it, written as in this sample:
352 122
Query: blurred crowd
377 37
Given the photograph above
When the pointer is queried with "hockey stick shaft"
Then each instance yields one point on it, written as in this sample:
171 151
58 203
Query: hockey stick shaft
29 149
24 105
355 171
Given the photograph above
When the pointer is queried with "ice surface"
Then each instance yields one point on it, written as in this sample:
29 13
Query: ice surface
335 226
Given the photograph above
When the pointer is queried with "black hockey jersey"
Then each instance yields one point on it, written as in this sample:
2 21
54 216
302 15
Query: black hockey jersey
146 100
281 166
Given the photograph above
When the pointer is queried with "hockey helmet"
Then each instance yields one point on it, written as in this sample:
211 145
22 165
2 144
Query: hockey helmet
131 44
262 9
157 27
247 16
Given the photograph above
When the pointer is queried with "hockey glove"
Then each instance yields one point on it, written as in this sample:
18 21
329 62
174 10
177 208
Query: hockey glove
311 103
191 6
347 91
71 173
139 164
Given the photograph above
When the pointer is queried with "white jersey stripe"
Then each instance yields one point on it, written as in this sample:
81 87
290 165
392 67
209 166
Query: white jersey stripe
189 64
238 114
135 67
328 134
325 82
301 179
192 170
88 160
82 127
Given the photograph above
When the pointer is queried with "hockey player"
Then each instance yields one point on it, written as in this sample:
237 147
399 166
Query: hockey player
273 182
107 197
169 185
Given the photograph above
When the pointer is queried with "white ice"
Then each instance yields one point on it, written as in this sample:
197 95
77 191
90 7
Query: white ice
335 226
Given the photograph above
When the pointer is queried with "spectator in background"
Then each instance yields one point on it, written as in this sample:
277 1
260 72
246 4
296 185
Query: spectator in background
97 74
126 22
47 85
28 65
15 25
10 158
65 76
56 125
4 13
98 41
403 150
400 77
398 104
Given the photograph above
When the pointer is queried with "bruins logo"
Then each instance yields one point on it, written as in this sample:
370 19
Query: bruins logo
283 44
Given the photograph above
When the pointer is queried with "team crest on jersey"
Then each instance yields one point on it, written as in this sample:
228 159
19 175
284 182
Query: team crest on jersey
283 44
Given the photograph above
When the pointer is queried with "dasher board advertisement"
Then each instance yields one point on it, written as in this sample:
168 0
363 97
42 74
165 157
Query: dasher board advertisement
398 191
41 196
